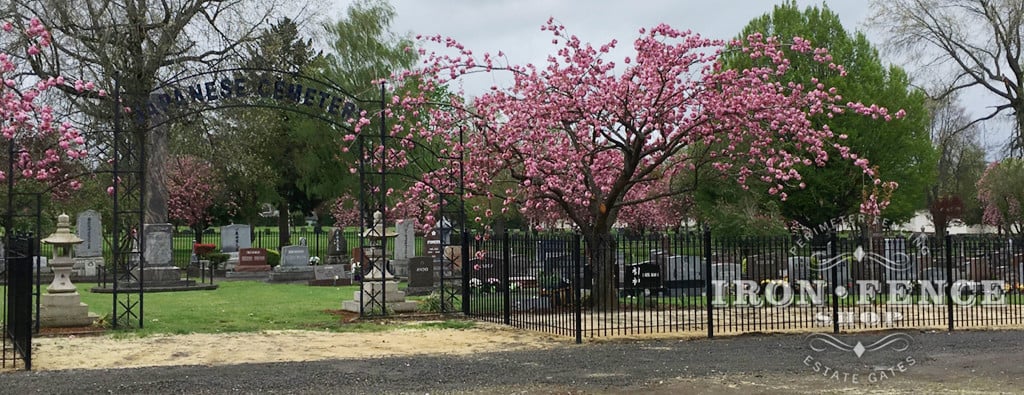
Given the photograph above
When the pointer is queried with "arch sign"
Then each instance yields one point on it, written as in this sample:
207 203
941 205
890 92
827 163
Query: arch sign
278 86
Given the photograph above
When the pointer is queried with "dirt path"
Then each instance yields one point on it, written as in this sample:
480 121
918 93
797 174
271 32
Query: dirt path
494 359
106 352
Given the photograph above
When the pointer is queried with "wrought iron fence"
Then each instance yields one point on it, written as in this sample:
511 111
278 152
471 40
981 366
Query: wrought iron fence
629 284
18 303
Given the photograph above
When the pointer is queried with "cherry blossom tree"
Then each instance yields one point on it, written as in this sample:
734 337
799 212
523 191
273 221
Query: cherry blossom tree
584 139
43 149
194 188
345 211
1000 195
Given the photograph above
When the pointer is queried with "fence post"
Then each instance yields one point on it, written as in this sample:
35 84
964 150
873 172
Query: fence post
464 252
707 282
576 280
832 251
949 281
506 262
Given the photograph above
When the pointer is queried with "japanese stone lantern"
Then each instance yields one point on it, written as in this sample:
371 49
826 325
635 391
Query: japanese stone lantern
61 306
63 261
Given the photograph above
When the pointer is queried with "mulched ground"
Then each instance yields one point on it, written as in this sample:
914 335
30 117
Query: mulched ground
77 331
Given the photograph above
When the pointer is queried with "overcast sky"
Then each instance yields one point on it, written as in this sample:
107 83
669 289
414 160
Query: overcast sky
513 26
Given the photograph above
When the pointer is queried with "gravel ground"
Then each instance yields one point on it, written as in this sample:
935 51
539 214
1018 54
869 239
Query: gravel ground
932 362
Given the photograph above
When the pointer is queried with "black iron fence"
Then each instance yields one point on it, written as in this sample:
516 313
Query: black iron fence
695 282
18 302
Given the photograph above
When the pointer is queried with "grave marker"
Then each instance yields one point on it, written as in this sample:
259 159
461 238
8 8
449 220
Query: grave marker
421 275
294 265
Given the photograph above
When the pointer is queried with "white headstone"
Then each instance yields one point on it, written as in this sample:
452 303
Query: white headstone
235 237
405 241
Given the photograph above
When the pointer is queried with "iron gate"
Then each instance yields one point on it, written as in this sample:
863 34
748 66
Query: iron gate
17 327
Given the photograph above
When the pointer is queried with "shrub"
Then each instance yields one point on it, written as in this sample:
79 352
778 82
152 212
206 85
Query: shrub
217 259
273 257
432 303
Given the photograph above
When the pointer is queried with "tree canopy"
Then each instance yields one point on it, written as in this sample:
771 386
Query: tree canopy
900 150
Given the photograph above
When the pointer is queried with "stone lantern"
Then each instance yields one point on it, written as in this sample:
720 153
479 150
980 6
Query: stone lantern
378 283
61 306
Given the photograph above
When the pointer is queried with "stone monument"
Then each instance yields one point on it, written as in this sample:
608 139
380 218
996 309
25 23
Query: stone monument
61 306
379 286
405 247
233 238
294 265
88 254
337 248
159 270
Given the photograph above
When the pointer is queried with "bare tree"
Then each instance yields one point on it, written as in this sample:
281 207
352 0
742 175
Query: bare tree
141 44
966 43
961 163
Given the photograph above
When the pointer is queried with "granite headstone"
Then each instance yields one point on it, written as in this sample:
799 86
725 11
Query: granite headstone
88 254
337 247
421 275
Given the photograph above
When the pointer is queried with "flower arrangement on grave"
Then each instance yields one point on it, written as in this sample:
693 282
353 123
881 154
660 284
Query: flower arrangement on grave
492 284
357 272
314 260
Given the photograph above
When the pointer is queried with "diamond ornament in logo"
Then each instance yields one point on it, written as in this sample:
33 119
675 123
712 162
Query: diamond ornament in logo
859 254
898 342
858 349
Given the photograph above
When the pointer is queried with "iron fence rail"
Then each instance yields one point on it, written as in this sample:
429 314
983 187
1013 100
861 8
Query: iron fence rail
693 282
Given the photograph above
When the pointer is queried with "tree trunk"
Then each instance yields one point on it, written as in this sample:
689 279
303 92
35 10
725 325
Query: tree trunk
156 170
199 233
940 221
284 237
600 248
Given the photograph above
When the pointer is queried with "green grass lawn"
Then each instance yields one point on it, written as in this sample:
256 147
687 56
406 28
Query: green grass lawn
246 306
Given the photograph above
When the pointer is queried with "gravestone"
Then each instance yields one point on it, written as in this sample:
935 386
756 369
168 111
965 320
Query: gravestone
159 270
294 265
41 263
683 272
726 272
295 256
643 276
88 254
452 261
489 270
434 245
233 238
798 268
421 275
331 275
337 247
252 264
405 247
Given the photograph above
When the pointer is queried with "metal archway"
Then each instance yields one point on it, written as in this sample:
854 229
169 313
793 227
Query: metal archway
173 100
